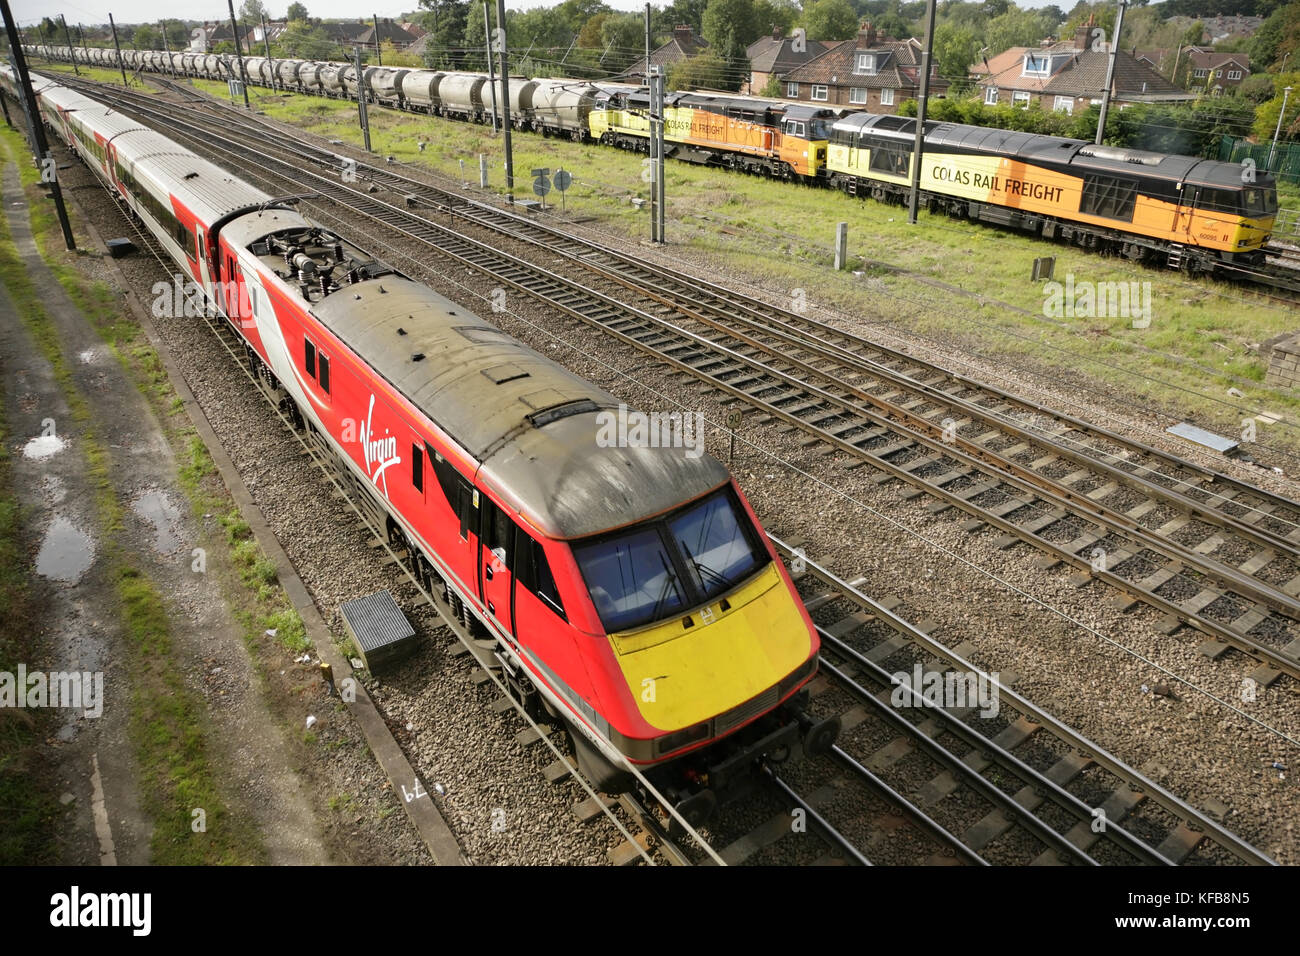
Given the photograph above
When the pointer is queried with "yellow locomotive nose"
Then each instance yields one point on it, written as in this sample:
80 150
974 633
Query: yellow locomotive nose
698 665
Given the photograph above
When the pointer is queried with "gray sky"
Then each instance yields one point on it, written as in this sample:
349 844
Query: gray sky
137 11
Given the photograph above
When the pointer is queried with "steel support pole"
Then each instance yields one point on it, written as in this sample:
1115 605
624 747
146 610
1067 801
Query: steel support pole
918 146
44 157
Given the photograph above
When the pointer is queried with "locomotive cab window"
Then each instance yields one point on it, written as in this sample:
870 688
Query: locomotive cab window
533 572
660 568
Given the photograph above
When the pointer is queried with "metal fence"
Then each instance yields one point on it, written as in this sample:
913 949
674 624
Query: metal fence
1286 159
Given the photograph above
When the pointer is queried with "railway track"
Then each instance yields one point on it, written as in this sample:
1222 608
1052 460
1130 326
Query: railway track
982 764
1046 794
1207 550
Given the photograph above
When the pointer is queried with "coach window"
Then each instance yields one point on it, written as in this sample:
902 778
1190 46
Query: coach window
309 357
323 375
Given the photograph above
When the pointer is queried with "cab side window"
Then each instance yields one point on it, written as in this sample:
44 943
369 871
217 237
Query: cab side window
533 572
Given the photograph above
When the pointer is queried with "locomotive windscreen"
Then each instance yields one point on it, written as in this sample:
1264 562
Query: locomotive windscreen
659 568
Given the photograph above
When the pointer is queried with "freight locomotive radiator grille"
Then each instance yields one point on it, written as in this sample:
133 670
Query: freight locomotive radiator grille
750 708
379 629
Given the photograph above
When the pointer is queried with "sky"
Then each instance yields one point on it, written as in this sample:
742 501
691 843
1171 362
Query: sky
138 11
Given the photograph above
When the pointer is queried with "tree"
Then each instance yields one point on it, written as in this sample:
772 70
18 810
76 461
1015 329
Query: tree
252 11
830 20
304 40
1266 114
773 15
446 34
704 71
297 11
729 25
1013 28
688 12
623 36
147 37
775 87
955 49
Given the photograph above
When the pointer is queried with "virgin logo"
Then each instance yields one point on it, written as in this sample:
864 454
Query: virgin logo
379 453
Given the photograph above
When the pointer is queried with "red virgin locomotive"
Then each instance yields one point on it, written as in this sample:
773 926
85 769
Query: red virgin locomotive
630 590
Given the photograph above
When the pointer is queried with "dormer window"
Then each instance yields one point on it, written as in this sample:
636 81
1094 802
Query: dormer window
866 63
1036 65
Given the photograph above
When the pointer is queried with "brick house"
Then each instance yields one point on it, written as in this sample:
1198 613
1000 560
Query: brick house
683 44
776 55
870 72
1070 75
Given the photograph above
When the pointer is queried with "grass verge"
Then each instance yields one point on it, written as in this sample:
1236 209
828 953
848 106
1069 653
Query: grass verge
168 719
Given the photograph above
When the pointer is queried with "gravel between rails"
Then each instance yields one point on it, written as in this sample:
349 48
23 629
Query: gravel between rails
1196 747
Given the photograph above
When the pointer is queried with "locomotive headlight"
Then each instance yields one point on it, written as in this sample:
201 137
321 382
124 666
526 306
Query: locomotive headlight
681 738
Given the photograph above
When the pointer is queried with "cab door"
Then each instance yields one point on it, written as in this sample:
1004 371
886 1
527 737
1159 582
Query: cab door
205 274
496 560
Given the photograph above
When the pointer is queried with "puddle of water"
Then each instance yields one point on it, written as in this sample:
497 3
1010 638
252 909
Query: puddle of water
52 486
43 446
157 509
66 553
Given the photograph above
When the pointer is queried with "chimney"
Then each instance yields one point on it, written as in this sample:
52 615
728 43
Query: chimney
682 32
1083 38
866 36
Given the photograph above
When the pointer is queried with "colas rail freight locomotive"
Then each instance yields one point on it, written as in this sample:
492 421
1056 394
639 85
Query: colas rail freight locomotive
1163 208
630 591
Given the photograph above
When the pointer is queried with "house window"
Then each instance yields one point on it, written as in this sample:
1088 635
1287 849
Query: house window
792 90
1201 74
866 63
1064 104
991 96
1218 74
819 92
1035 65
1020 98
886 97
1234 74
857 95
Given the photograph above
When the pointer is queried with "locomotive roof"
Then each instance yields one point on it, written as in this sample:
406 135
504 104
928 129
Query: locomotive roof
530 423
